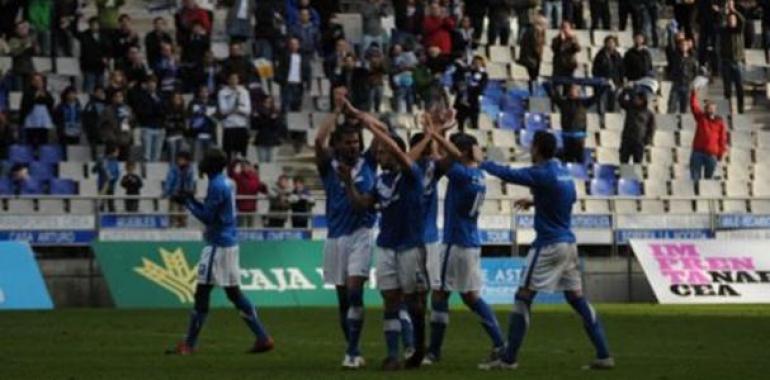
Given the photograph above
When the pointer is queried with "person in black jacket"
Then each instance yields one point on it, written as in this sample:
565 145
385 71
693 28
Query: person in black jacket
573 109
68 117
293 74
192 55
637 62
149 111
97 102
471 83
476 13
608 64
155 38
133 185
36 113
354 76
134 68
600 14
175 123
638 128
123 39
94 55
684 69
270 127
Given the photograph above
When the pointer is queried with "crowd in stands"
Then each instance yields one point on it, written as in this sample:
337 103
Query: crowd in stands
169 85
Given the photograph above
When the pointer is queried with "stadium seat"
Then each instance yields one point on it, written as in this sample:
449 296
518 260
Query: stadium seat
510 120
681 171
682 155
602 187
20 153
41 170
540 105
661 156
87 187
658 172
50 206
525 139
736 188
63 187
6 187
535 121
683 188
760 188
503 138
629 187
734 206
613 121
739 156
578 171
74 170
741 139
580 188
606 172
666 122
500 54
608 156
741 122
737 172
763 139
51 153
78 153
762 172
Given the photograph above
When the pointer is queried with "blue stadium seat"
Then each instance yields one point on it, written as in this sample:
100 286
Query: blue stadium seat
6 188
490 109
51 153
604 171
578 171
525 138
629 187
63 187
602 187
588 156
32 187
18 153
509 120
536 121
41 170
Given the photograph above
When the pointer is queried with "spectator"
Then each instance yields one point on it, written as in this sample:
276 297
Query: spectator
472 81
684 11
66 13
377 72
572 11
22 183
235 108
36 113
293 75
710 142
552 12
626 9
94 49
409 16
333 62
732 54
167 70
637 62
200 113
237 62
437 29
192 55
279 203
463 44
476 14
176 124
69 117
531 51
39 13
134 68
155 38
600 14
673 36
270 129
354 77
293 8
403 78
308 35
647 14
247 187
684 69
107 13
608 64
500 13
301 204
208 74
238 19
107 170
565 47
329 37
116 124
266 29
6 133
372 12
709 20
116 82
132 183
149 111
180 179
92 114
639 126
9 15
764 8
187 15
574 123
124 39
22 47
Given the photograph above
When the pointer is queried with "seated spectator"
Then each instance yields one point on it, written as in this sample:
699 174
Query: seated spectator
167 70
637 62
565 48
270 127
531 50
238 20
107 170
94 54
437 28
22 183
301 204
573 109
116 124
123 39
470 82
155 38
235 109
293 75
149 111
638 128
180 179
710 142
36 112
247 185
69 117
279 203
92 114
201 124
608 64
684 68
132 183
372 12
22 46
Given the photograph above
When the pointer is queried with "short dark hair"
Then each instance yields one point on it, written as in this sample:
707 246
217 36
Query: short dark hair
464 142
399 141
545 143
184 154
416 138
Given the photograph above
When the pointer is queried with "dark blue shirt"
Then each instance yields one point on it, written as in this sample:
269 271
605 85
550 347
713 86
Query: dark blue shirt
431 176
342 218
399 196
464 197
217 212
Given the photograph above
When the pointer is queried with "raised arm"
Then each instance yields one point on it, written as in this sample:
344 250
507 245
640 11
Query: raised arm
360 201
322 153
697 112
384 137
206 211
523 177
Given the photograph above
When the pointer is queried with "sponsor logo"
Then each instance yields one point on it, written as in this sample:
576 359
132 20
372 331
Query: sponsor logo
174 275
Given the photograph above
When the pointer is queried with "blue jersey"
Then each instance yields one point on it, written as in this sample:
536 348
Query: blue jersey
464 196
399 196
554 194
431 175
342 218
217 212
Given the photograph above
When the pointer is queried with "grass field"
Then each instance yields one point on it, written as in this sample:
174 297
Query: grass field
648 341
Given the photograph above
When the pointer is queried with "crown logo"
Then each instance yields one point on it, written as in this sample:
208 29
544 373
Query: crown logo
175 275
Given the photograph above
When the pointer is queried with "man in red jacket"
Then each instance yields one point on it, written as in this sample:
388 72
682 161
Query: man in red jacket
710 142
248 185
437 29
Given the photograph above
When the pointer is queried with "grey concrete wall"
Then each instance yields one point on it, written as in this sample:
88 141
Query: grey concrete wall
607 280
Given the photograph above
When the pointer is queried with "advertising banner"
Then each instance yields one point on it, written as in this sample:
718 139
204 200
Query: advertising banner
50 237
706 271
501 279
21 284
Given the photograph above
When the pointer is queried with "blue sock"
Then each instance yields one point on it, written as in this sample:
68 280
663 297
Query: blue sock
355 320
439 319
392 331
519 323
592 325
249 315
197 318
489 322
343 305
407 329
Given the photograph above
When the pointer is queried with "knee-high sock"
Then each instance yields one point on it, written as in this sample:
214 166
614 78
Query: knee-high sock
249 315
489 322
519 323
355 320
198 314
392 328
592 324
417 315
439 319
343 306
407 328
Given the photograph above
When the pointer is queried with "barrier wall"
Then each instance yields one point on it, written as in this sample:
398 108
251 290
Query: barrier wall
21 285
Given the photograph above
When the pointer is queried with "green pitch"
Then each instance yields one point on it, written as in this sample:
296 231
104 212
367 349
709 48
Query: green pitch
648 341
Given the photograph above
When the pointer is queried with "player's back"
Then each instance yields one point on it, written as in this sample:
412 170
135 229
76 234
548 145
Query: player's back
554 195
221 229
342 218
400 200
431 175
465 194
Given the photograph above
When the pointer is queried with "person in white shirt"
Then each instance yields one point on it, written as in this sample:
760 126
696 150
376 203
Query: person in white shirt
235 108
293 75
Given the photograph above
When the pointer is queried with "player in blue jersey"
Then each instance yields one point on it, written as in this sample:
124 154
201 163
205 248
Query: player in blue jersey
348 247
219 260
398 195
552 263
460 255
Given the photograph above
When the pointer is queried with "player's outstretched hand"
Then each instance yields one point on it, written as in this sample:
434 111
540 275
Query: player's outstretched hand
523 204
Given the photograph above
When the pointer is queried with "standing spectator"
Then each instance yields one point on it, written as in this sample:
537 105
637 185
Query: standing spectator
710 142
189 14
404 63
565 48
437 29
637 62
333 62
132 183
237 62
94 53
134 68
531 51
180 179
472 81
200 113
97 103
279 203
354 77
574 122
608 64
208 74
266 29
684 11
22 183
36 113
69 117
463 45
572 11
116 124
247 187
626 9
684 69
235 108
107 12
192 55
270 129
238 19
638 128
552 11
600 14
294 7
167 70
22 47
378 71
301 204
39 13
293 75
709 20
123 39
648 19
175 123
372 12
764 8
732 54
9 16
152 41
116 82
308 35
107 171
409 16
149 112
476 14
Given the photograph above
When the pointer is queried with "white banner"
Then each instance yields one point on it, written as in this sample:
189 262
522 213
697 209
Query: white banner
706 271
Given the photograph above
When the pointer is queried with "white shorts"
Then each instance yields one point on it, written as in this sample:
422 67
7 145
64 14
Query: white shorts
460 269
404 270
432 259
348 256
219 266
552 268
